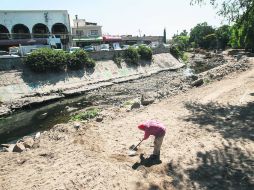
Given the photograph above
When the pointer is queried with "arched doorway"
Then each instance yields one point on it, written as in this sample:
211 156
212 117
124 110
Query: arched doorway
61 31
59 28
20 31
40 31
4 33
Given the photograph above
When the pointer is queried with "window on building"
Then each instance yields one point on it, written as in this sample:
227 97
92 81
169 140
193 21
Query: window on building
94 32
80 32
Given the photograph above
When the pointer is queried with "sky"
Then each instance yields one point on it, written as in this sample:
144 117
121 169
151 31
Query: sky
128 17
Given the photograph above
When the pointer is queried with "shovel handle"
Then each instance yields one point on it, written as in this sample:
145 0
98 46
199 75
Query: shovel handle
138 144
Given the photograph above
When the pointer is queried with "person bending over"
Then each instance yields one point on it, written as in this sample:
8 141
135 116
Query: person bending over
156 129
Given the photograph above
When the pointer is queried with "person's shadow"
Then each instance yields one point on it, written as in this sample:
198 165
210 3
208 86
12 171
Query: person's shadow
147 162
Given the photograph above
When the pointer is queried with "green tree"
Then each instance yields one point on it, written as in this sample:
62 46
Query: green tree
223 35
210 40
242 13
233 10
237 37
246 27
164 36
243 36
131 55
199 35
182 42
145 53
183 33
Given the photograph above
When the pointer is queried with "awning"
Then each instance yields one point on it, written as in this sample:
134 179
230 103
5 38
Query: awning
33 41
97 39
112 38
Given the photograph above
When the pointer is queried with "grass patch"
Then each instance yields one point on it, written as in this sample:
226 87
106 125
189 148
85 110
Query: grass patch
185 58
88 114
127 103
206 81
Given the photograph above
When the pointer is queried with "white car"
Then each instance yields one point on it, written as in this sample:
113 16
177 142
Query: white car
14 51
5 54
135 46
32 50
72 49
116 46
125 47
104 47
154 45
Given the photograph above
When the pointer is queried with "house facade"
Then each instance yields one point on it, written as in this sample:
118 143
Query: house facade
130 40
85 33
32 26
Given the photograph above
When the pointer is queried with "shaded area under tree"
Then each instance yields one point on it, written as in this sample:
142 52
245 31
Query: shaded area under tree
229 167
232 121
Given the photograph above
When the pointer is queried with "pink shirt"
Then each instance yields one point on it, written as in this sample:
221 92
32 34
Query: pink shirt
155 128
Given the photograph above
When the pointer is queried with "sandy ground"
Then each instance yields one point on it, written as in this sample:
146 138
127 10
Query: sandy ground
209 145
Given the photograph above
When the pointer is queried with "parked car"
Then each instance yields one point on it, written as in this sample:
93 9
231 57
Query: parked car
104 47
166 45
89 48
33 49
143 45
154 45
72 49
14 51
124 47
5 54
116 46
135 46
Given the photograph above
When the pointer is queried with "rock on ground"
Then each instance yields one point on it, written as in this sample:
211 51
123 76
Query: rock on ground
148 98
19 147
28 142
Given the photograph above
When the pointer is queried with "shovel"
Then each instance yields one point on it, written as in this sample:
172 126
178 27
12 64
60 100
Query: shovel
133 149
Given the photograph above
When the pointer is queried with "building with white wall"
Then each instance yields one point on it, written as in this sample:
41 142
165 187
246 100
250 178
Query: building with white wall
85 33
19 26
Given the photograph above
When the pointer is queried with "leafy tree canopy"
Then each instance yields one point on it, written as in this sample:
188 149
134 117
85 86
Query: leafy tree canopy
199 33
223 35
242 13
233 10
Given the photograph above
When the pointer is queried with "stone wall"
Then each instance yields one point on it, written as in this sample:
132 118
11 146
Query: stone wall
161 50
17 62
108 55
104 55
12 63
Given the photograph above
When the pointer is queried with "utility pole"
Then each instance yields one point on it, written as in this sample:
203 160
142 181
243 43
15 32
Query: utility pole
139 31
76 20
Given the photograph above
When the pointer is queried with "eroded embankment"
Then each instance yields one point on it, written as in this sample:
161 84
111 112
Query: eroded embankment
22 88
155 87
